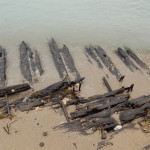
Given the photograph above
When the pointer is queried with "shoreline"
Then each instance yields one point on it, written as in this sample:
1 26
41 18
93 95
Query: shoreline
29 134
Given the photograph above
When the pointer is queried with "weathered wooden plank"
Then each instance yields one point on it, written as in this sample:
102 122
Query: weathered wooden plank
85 112
112 94
24 62
14 89
131 114
138 102
108 63
126 60
69 62
56 87
107 84
57 59
137 59
2 67
91 52
104 122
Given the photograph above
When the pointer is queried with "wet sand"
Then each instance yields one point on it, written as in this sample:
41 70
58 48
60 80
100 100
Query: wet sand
27 128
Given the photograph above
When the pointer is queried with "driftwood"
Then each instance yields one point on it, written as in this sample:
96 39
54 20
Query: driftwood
107 84
58 59
2 66
146 147
86 112
91 52
137 59
131 114
107 62
69 62
7 105
124 57
14 89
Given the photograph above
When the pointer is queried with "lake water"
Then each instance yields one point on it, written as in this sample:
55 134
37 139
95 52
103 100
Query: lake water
109 23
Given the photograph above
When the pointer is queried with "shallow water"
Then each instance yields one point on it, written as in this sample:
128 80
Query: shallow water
76 22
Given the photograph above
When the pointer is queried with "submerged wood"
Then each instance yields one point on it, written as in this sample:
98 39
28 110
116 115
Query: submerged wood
2 66
24 62
85 112
124 57
91 52
137 59
56 54
108 63
107 84
14 89
69 62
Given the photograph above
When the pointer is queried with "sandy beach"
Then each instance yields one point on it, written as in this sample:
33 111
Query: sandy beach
26 128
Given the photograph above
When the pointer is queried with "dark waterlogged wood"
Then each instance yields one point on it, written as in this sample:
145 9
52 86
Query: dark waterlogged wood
108 63
69 62
29 63
24 62
91 52
56 54
14 89
138 102
124 57
112 94
29 104
107 84
104 122
131 114
61 85
137 59
2 67
85 112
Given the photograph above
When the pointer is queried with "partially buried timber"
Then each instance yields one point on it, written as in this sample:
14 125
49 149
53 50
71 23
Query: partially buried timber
2 66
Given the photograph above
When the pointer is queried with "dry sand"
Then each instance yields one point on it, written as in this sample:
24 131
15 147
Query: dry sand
26 129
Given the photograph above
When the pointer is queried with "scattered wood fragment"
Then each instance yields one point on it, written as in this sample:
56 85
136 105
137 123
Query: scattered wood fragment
108 63
7 105
107 84
2 66
124 57
10 90
6 129
64 110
